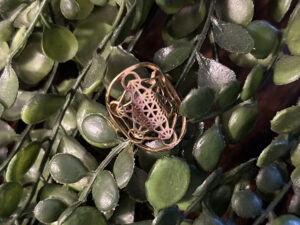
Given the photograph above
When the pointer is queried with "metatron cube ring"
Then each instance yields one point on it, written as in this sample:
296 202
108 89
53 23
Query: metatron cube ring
147 109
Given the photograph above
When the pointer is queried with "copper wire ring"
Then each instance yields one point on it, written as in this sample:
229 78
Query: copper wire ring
147 110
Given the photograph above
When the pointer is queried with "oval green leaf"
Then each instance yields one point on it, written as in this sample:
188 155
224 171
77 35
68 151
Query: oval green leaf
228 94
71 146
89 35
69 8
105 191
287 70
167 182
278 8
49 210
170 57
85 215
276 149
286 120
59 43
232 37
187 20
269 179
286 220
235 11
246 204
197 102
97 131
66 168
59 192
41 107
123 167
264 36
170 7
208 148
252 83
31 55
168 216
9 86
10 196
22 161
7 134
4 52
241 122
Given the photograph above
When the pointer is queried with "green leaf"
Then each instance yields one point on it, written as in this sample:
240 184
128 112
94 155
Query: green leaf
213 74
228 94
286 220
170 6
295 155
89 35
269 179
49 210
16 41
286 120
99 2
9 86
66 168
26 17
136 186
264 36
246 204
97 131
220 199
125 211
209 218
287 70
187 20
85 215
168 216
170 57
208 148
7 134
59 43
6 30
71 146
278 8
105 191
10 196
241 122
197 103
56 191
293 37
41 107
124 28
235 11
123 167
295 177
94 77
69 8
31 55
232 37
4 52
14 112
167 183
276 149
85 9
22 162
141 13
252 83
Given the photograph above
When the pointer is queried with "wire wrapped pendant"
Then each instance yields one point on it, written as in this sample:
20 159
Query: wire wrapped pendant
147 110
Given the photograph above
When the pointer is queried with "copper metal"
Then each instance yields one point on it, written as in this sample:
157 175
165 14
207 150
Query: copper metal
148 108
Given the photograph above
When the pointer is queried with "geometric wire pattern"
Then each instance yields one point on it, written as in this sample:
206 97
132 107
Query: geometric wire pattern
147 109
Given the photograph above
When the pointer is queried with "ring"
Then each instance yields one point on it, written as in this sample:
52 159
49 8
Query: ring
147 110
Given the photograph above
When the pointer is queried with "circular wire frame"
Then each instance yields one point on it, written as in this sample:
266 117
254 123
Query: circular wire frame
147 110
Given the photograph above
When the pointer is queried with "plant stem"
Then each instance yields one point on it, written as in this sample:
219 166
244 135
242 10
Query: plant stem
273 204
203 189
114 152
200 40
16 148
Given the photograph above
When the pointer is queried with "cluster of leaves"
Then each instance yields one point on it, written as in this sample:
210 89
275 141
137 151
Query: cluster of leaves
49 176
